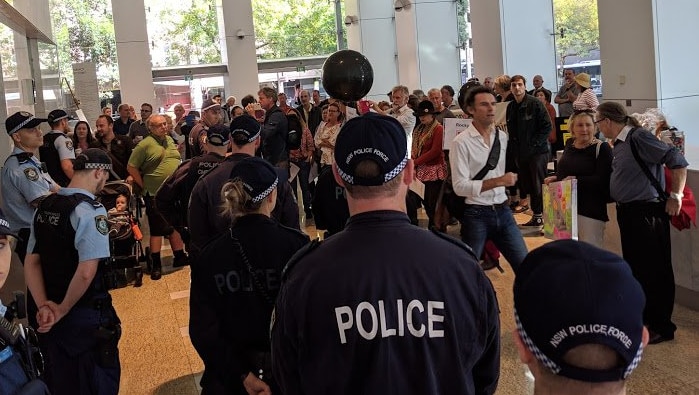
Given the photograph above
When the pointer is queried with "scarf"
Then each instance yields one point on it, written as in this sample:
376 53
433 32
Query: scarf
422 134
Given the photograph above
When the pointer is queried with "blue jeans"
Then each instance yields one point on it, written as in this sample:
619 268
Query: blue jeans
496 223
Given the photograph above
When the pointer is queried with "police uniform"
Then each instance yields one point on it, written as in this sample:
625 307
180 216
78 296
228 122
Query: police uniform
24 180
81 352
232 296
230 343
172 197
57 147
329 206
384 306
205 221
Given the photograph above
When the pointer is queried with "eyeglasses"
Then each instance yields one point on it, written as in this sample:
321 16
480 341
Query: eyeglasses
599 120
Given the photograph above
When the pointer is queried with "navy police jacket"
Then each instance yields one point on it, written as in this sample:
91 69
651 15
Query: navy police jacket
231 302
205 221
385 307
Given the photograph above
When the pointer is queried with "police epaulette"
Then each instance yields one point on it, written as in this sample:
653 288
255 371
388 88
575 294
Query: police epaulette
295 230
84 198
305 250
455 241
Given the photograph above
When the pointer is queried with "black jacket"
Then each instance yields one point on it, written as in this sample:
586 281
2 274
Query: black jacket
340 319
529 125
274 133
230 309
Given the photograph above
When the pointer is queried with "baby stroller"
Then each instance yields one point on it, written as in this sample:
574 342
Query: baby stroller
124 234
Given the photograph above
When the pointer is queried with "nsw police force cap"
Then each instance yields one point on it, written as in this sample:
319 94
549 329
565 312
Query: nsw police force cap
92 158
569 293
5 226
374 137
259 178
245 129
21 120
218 135
57 115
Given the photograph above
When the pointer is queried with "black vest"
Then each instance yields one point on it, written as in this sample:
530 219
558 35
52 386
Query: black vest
55 238
49 155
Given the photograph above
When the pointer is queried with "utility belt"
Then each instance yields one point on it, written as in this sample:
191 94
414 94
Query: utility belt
101 303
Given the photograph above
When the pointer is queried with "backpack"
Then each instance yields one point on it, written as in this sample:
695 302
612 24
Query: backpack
295 128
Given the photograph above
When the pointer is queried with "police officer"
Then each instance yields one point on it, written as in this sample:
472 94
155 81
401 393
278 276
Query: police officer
204 207
24 179
172 197
232 297
210 116
79 329
57 151
396 308
329 206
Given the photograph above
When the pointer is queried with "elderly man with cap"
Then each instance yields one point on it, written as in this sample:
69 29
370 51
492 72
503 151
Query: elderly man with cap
210 116
24 179
579 317
64 269
229 319
205 220
418 319
57 151
173 195
152 161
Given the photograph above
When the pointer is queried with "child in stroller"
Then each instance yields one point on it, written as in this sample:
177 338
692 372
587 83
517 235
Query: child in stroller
124 234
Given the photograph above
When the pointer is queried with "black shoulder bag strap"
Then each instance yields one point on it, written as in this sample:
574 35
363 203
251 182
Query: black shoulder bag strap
256 282
662 195
493 158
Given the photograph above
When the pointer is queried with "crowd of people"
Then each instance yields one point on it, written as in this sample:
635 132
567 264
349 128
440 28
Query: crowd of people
393 307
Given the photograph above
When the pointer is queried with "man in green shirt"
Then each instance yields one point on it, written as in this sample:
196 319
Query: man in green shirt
151 162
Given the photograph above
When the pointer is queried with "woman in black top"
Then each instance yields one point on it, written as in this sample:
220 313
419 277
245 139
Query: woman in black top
588 160
232 296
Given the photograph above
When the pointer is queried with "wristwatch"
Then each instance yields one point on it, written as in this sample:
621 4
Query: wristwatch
676 196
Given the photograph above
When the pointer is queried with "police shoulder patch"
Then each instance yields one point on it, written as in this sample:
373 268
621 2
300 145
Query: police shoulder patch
31 174
101 224
69 144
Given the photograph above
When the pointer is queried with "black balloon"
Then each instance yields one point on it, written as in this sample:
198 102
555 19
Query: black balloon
347 75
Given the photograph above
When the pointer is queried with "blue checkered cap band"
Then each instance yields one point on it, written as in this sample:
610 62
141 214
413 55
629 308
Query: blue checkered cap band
555 367
105 166
546 361
21 125
245 132
264 193
348 178
4 223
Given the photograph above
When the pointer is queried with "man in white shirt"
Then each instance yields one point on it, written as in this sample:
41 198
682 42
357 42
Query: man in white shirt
487 215
400 111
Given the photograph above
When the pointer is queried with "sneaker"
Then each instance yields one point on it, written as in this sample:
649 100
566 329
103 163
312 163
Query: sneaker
535 222
180 261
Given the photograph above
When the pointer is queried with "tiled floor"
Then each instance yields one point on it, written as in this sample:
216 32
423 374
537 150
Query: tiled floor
157 356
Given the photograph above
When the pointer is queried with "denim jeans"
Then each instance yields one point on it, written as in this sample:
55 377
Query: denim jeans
496 223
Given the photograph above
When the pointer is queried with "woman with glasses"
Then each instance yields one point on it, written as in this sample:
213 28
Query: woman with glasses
327 133
588 160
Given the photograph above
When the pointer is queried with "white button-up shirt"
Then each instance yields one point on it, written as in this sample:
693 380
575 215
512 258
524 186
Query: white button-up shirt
469 154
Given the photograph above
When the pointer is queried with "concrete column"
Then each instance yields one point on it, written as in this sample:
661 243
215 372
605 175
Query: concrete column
428 44
647 49
35 66
239 44
514 37
133 52
372 33
5 143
